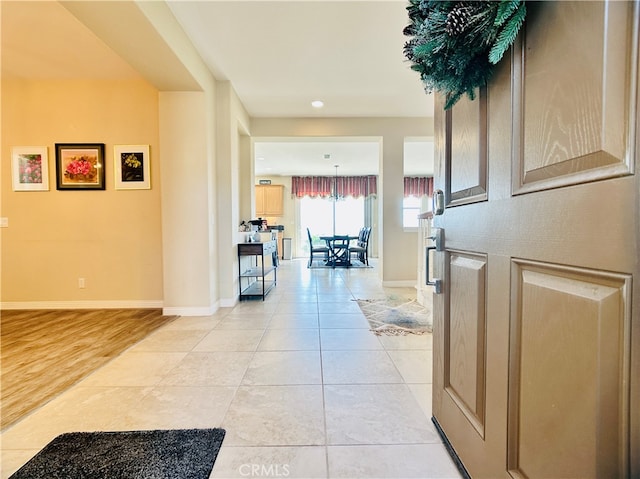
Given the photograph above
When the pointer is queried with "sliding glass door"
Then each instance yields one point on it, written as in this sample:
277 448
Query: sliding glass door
317 214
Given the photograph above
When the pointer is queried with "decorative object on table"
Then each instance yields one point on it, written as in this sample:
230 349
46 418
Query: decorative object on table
80 166
30 168
160 454
456 45
132 167
396 315
256 224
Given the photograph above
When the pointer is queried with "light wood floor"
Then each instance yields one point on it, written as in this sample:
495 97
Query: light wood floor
45 352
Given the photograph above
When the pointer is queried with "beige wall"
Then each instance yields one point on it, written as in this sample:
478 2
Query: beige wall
231 127
185 205
195 237
111 238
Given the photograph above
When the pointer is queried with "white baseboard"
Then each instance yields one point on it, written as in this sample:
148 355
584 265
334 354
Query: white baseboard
190 311
228 303
81 304
168 311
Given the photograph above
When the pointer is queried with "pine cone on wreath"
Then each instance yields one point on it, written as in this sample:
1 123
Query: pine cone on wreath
458 19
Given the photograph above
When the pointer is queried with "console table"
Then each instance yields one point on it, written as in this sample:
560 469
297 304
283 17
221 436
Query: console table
258 278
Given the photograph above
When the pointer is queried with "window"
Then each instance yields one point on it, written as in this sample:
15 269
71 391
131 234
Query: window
411 207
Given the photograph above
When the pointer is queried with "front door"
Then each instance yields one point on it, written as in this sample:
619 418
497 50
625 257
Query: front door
536 329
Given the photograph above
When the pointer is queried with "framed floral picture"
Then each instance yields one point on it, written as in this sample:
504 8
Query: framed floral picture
131 166
30 168
80 166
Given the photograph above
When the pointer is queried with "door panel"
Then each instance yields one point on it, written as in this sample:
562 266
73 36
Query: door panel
465 337
466 180
536 349
568 407
574 131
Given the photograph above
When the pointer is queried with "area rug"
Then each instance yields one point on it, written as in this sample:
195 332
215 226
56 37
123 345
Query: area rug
320 263
161 454
396 316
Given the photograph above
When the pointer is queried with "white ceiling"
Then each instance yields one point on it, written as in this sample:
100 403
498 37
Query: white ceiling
278 55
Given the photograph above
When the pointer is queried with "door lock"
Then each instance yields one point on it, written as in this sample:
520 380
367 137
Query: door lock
437 202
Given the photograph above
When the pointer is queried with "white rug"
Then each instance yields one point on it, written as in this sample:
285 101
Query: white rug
396 316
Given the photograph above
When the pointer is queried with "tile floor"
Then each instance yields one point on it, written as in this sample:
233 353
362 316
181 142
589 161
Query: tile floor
302 387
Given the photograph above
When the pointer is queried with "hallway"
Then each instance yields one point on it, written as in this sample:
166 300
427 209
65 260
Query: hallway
302 387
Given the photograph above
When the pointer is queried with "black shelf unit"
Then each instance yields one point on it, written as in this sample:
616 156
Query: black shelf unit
261 277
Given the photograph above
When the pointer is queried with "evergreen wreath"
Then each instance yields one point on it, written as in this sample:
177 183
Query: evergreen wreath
456 45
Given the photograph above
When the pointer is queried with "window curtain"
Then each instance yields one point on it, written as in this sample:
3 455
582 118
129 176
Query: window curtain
323 186
418 186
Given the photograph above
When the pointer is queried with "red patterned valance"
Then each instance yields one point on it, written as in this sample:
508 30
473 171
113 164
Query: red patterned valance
418 186
324 186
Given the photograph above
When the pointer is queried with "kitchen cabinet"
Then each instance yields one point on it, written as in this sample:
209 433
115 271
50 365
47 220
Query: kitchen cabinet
269 200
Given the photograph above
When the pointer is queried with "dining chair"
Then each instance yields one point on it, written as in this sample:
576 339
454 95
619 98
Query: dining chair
315 249
362 248
355 242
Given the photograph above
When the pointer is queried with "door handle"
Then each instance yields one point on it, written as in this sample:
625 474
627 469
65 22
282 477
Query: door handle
436 283
438 238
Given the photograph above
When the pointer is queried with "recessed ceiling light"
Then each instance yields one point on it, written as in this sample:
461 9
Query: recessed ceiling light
317 103
260 158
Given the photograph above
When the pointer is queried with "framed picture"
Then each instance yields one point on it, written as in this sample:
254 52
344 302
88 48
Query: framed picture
131 166
30 168
80 166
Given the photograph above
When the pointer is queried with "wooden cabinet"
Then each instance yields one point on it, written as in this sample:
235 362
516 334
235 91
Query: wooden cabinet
269 200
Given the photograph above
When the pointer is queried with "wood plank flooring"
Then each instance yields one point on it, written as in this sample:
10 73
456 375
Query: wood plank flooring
44 352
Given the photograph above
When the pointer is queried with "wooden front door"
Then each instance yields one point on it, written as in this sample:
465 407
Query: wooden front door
536 330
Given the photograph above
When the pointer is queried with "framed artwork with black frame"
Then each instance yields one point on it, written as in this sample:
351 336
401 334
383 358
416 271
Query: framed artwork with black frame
80 166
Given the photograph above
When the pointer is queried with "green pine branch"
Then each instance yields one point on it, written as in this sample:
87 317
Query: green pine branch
505 10
508 34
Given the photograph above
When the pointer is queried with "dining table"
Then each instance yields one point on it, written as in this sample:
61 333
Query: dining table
338 246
